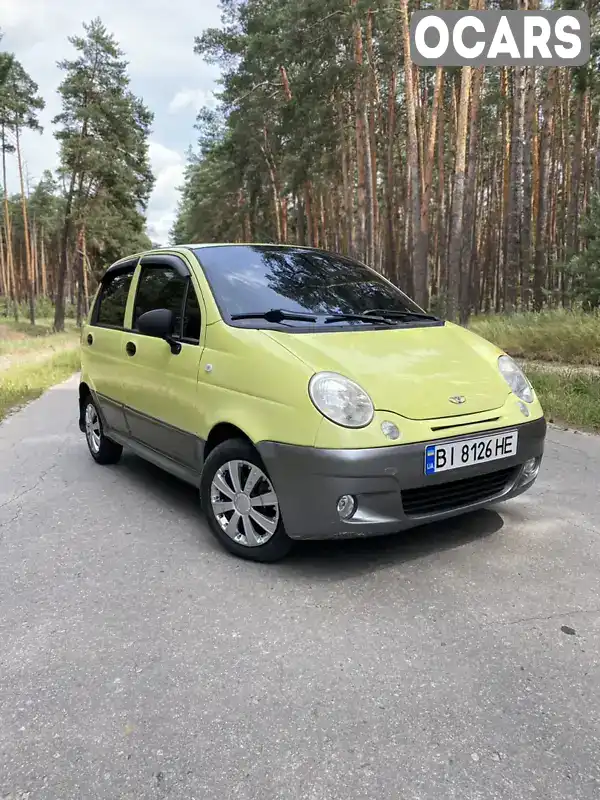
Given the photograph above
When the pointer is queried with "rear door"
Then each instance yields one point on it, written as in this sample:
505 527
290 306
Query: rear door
161 386
104 361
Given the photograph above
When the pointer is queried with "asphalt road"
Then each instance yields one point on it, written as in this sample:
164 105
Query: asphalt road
139 660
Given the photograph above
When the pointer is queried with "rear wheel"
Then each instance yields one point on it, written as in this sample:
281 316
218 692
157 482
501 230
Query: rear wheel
240 503
102 449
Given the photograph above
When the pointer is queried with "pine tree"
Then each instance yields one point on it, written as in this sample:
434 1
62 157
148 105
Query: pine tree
103 132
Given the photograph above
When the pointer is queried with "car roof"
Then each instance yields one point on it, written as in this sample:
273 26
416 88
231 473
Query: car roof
124 262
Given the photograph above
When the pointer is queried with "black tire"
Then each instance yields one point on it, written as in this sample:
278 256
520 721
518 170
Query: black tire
279 544
105 451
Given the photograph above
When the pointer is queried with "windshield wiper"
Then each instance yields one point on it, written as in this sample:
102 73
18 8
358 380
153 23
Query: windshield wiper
276 315
382 312
359 318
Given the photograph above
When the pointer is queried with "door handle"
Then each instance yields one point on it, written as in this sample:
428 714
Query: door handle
90 338
130 348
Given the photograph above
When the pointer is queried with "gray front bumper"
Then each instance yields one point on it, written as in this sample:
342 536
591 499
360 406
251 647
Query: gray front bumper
309 482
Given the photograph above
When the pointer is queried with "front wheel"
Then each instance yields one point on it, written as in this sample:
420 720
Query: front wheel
102 449
240 503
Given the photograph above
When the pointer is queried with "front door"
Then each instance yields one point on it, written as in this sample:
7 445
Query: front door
103 346
161 385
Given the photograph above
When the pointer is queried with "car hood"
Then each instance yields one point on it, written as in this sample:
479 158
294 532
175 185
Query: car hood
412 372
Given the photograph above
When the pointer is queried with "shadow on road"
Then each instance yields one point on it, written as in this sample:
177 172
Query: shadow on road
340 559
325 560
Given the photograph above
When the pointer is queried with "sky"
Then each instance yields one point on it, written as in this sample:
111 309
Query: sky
157 37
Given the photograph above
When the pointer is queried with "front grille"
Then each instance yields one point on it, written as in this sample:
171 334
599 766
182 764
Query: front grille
448 496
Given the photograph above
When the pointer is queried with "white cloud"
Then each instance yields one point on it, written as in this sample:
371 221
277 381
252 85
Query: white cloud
158 43
168 166
191 98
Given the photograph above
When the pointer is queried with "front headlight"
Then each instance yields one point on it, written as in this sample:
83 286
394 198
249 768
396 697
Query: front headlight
513 375
341 400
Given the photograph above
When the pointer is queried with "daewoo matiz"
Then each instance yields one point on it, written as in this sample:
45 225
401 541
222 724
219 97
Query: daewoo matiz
303 393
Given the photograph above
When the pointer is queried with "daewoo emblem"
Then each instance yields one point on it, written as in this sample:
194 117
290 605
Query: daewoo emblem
458 399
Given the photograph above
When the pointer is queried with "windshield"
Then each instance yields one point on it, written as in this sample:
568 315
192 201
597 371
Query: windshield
253 279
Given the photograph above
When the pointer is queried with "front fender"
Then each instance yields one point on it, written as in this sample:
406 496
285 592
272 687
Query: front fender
248 380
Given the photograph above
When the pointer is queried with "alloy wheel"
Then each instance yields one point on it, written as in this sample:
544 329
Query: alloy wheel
244 503
93 431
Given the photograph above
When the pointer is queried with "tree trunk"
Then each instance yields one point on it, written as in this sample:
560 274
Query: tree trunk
309 216
362 143
347 209
440 260
35 258
374 105
419 244
458 196
468 251
79 262
274 187
542 220
429 161
370 199
391 254
6 287
63 266
573 214
597 159
505 177
515 201
526 221
43 265
28 259
10 264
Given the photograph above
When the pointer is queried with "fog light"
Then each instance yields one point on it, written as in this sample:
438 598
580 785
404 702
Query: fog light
390 430
346 506
531 469
524 410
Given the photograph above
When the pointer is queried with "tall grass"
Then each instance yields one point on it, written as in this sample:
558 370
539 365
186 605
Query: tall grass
21 338
569 397
571 337
26 381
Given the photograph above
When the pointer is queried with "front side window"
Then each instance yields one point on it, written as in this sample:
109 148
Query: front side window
254 279
160 287
112 299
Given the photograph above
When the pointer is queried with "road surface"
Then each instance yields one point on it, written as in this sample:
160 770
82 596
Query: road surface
139 660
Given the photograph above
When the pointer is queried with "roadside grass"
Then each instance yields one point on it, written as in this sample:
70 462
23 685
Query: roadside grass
27 381
568 397
570 337
21 338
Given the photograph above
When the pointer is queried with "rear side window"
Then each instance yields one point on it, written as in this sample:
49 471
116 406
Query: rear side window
160 287
112 299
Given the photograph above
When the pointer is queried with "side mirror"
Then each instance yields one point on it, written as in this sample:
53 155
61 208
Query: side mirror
159 323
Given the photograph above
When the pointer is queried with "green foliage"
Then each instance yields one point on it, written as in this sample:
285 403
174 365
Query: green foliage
20 103
260 135
101 190
585 267
103 128
6 60
103 131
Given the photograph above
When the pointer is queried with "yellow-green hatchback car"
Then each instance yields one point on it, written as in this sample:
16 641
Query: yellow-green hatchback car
303 394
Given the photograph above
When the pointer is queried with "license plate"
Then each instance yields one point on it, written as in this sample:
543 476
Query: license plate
467 452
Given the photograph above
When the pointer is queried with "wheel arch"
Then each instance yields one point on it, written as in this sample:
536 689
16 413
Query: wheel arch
222 432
